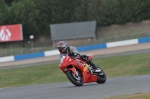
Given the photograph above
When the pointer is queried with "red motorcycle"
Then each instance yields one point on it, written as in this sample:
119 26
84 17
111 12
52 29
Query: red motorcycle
79 72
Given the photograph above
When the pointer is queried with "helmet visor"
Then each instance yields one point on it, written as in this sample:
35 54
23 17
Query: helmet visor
61 49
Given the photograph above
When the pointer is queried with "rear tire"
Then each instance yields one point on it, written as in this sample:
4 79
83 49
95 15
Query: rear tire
101 77
73 79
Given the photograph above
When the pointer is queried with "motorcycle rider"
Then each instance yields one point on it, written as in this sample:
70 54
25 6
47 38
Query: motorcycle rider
72 51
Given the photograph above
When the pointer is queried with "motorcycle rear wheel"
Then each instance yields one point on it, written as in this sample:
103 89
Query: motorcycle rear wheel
101 77
76 80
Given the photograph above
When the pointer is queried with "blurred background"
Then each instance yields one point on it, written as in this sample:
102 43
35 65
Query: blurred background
116 20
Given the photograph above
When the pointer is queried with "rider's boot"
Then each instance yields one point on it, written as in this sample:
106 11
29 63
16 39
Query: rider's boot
97 70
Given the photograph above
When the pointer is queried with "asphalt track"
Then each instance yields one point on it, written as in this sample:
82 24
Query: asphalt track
66 90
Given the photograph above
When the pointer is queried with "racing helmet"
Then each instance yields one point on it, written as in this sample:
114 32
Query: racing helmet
61 45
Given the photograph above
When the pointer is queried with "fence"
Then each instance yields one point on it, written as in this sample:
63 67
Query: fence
32 46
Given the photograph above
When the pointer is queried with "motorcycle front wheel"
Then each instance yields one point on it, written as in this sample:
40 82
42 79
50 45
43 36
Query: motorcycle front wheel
76 79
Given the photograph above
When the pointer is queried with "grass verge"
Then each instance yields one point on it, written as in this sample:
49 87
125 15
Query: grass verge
118 66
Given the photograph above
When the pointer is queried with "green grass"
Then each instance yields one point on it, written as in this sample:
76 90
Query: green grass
128 65
118 66
31 75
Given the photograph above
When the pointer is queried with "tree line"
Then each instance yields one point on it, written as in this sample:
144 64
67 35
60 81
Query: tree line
37 15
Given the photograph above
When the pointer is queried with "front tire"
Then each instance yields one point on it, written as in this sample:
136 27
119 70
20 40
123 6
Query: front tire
75 79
